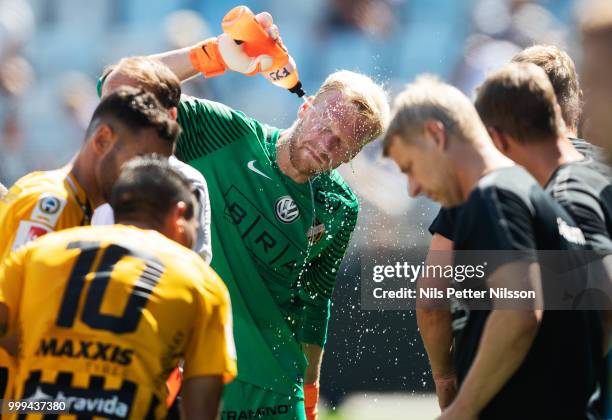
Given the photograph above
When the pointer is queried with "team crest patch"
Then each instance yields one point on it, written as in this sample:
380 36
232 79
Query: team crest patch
286 210
49 204
315 232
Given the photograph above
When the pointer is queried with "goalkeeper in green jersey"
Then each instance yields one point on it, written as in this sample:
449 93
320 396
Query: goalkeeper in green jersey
282 218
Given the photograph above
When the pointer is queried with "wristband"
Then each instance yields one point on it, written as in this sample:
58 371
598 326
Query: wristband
173 385
311 398
206 58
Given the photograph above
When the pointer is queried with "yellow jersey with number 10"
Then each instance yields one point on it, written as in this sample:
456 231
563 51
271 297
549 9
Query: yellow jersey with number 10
106 312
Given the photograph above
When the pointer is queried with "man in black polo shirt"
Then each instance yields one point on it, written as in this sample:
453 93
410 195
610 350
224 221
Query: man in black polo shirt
502 357
434 322
518 106
561 70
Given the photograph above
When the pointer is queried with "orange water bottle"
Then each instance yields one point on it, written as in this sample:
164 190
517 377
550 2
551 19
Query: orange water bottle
240 24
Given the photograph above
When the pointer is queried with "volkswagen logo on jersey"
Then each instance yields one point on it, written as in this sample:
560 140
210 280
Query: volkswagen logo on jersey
286 209
49 205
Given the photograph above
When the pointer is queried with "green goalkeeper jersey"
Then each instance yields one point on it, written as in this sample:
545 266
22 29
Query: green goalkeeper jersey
277 244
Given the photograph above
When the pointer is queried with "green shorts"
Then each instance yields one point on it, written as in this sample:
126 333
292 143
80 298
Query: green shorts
243 401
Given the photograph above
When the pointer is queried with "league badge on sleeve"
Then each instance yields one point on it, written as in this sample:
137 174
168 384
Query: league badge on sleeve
49 205
48 209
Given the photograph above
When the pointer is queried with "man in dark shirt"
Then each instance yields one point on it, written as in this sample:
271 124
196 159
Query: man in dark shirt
519 108
434 322
561 71
501 356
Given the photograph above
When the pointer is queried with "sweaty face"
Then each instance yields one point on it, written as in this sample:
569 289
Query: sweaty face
597 83
330 133
427 169
127 145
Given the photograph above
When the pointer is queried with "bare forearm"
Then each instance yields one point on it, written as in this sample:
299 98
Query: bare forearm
200 398
433 315
314 355
436 332
505 342
178 61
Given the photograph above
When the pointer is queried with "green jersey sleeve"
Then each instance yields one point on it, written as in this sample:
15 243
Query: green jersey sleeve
319 279
209 126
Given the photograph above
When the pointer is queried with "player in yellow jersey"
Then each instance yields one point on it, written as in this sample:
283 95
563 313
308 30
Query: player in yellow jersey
106 312
125 124
128 123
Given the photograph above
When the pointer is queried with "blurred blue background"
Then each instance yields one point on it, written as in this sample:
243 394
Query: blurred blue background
52 51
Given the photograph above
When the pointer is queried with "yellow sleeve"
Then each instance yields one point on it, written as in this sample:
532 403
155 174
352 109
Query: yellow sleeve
32 215
11 285
211 349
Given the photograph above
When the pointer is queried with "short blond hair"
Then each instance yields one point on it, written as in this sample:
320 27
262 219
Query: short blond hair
429 98
151 75
369 97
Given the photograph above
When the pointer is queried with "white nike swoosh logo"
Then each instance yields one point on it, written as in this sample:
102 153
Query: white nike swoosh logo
251 166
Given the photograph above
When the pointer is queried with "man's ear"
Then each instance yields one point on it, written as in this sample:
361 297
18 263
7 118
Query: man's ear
305 106
500 140
435 130
176 217
103 139
173 113
179 211
174 225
